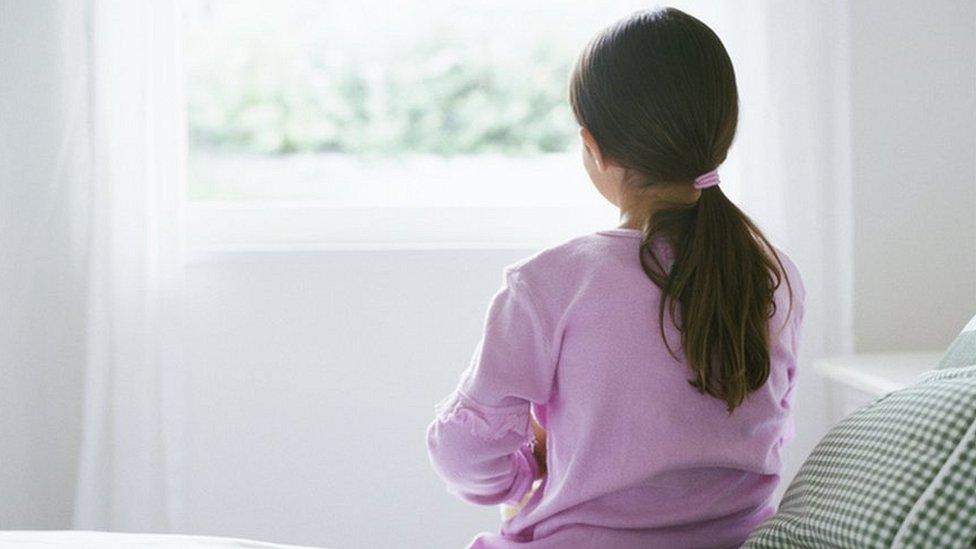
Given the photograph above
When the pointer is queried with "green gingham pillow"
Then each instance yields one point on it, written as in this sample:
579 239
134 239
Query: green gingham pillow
962 352
899 472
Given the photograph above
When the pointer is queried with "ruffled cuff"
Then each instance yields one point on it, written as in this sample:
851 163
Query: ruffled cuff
488 423
485 453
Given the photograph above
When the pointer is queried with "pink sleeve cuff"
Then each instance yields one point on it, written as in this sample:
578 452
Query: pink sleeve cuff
526 473
484 453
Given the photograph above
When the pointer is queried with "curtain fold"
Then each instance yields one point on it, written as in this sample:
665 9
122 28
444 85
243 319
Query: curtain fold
129 464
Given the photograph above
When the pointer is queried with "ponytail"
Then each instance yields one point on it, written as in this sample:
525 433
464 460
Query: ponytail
722 279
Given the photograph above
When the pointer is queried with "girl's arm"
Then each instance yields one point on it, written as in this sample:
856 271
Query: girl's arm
482 441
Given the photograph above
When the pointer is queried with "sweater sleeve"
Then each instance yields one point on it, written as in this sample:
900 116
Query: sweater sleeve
481 440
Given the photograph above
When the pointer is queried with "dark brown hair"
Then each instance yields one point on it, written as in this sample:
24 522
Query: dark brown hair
657 91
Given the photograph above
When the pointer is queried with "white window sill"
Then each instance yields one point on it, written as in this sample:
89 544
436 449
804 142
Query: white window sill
229 227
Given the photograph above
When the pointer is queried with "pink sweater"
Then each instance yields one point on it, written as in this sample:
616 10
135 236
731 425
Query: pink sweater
636 456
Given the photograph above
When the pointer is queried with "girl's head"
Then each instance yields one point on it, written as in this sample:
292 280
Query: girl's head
656 97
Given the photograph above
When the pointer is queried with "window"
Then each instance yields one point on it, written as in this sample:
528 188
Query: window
428 121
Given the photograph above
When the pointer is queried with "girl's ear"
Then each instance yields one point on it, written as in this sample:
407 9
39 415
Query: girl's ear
593 149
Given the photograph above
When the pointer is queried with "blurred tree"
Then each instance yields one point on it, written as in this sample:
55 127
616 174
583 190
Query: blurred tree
258 86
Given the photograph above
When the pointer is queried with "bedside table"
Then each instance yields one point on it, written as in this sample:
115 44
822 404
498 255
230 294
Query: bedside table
852 381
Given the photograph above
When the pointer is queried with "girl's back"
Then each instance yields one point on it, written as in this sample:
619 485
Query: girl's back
636 455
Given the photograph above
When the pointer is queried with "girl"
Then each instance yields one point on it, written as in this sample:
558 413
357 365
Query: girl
657 358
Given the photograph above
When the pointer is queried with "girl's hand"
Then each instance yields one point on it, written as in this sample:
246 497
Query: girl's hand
539 449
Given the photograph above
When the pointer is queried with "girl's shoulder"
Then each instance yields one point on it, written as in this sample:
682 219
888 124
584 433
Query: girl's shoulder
558 275
577 255
554 278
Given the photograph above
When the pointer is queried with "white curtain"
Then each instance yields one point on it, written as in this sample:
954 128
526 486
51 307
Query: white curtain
129 465
43 131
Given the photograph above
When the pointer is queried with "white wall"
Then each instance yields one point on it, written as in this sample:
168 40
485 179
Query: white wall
313 377
913 98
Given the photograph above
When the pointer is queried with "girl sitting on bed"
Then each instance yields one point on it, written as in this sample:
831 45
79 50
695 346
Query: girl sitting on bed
643 374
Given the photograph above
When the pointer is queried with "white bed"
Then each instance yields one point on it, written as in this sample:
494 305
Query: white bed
73 539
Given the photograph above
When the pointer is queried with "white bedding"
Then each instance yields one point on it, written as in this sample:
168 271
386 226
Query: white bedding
110 540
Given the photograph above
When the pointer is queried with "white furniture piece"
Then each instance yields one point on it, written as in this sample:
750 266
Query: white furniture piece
852 381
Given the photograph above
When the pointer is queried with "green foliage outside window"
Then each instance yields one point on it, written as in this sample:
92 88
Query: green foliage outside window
437 95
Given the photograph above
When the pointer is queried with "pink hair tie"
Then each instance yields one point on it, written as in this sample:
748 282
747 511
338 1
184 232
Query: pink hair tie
707 179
